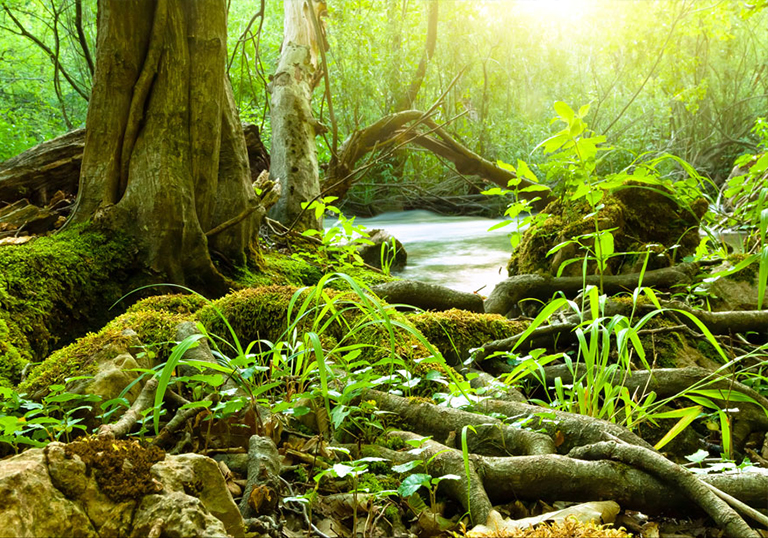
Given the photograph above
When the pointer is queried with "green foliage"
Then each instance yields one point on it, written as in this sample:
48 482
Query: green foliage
26 422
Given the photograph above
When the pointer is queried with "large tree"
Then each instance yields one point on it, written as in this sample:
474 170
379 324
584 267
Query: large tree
165 157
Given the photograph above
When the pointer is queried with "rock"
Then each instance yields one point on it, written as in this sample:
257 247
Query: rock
371 254
738 291
175 515
31 506
51 492
641 219
200 476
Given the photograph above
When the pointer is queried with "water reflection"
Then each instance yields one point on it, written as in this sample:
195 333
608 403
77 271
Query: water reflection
458 252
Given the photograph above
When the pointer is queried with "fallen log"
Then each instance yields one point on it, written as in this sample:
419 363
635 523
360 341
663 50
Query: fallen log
41 171
54 165
506 295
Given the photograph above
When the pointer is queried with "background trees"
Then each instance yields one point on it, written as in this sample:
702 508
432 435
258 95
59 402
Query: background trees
662 76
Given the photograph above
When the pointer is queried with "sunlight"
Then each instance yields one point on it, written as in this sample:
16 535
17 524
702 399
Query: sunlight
568 10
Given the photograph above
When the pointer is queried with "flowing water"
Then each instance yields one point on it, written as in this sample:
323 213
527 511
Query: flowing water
457 252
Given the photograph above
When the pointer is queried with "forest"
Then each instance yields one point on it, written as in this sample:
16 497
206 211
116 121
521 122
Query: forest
360 269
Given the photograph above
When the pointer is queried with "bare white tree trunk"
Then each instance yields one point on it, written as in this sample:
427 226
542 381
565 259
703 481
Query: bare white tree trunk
293 151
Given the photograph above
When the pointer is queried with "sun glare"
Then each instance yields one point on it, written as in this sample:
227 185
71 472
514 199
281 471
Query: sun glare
554 9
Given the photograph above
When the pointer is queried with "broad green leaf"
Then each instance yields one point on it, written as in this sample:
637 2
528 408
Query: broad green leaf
564 111
524 171
412 483
405 467
505 166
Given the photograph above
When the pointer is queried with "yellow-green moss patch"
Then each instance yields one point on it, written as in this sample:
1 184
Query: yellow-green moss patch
454 332
175 304
641 216
55 287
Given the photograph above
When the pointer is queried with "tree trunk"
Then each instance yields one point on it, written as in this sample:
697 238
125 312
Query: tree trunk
165 157
293 151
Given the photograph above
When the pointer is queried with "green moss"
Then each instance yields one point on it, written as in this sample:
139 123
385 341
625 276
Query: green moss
454 332
280 269
641 216
254 314
55 287
156 329
748 274
11 361
78 358
262 314
175 303
377 480
391 442
74 359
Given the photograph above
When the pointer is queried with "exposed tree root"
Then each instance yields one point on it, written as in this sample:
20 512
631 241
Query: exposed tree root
428 296
670 473
125 424
574 430
553 477
493 436
667 382
506 295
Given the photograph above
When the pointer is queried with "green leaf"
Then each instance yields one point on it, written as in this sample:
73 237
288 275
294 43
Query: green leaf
760 166
412 483
195 405
341 470
565 112
505 166
405 467
687 415
500 225
524 171
439 479
584 110
698 456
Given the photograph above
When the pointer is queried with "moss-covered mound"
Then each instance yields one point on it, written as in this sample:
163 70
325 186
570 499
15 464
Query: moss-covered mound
638 216
454 332
56 287
262 314
156 330
11 361
173 304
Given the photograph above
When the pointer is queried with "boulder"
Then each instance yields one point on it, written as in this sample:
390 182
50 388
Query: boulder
371 253
738 291
54 492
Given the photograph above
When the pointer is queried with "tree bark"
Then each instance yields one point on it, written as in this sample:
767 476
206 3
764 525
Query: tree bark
165 158
294 153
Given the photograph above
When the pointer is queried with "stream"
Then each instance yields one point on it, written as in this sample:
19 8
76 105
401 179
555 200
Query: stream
457 252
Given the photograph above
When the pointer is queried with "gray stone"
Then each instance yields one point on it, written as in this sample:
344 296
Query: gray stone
43 493
371 254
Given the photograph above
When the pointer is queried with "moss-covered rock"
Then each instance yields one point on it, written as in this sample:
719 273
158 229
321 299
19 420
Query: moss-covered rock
262 314
156 330
454 332
639 217
11 361
173 304
54 288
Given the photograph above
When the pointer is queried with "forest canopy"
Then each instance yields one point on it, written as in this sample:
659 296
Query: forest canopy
661 76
